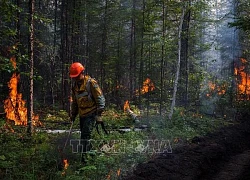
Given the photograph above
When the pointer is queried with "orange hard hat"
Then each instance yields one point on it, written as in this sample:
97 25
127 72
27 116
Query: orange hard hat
75 69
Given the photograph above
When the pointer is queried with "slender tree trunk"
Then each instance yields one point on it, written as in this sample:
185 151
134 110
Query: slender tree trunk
162 56
31 54
178 65
142 52
184 56
104 44
53 58
118 69
18 24
64 55
132 53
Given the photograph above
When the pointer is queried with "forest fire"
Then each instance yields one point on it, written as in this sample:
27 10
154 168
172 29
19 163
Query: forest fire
220 90
243 80
148 86
14 105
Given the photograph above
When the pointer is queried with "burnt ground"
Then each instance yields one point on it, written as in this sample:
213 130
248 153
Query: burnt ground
222 155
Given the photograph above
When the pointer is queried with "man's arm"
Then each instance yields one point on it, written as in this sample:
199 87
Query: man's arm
98 96
74 107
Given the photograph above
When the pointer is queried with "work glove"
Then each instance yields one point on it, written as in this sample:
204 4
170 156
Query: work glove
99 122
98 119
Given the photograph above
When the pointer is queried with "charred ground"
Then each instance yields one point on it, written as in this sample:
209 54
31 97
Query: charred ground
222 155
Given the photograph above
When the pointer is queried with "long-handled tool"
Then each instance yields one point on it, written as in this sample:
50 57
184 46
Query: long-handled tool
70 130
62 151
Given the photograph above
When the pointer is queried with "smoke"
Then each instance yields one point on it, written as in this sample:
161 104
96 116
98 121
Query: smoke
223 50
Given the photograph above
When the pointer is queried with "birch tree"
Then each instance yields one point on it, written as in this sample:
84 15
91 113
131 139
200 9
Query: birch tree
178 65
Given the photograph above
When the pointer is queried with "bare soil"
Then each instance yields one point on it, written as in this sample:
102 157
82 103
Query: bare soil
222 155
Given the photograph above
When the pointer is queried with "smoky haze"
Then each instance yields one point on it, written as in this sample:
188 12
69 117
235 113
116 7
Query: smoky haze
223 51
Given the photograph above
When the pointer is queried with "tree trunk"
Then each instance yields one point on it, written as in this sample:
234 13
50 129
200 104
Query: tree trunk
31 54
104 44
142 52
132 53
178 66
184 58
162 56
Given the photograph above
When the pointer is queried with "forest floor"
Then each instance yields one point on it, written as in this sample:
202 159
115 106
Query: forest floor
221 155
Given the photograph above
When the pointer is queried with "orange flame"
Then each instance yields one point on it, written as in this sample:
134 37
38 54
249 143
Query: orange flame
66 165
243 79
14 106
220 90
119 172
70 99
148 86
126 106
109 175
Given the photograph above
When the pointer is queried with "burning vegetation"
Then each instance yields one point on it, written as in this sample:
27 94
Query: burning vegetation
14 105
65 166
218 89
127 109
243 80
147 86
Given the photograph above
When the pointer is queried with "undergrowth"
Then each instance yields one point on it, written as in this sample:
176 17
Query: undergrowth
112 156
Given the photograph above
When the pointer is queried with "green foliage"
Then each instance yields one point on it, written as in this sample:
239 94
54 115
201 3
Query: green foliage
241 23
242 16
23 157
185 125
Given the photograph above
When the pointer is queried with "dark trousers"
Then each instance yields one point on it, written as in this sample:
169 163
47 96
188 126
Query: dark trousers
86 126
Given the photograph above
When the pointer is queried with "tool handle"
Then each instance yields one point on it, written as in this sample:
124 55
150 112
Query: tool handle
70 130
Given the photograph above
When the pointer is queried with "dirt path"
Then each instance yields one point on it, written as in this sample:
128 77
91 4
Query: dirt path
223 155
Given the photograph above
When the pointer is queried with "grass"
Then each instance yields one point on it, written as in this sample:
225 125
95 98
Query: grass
113 155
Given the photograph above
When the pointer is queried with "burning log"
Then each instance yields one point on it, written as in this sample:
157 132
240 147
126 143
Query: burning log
130 112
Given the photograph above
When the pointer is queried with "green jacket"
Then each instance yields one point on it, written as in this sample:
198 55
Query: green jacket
87 100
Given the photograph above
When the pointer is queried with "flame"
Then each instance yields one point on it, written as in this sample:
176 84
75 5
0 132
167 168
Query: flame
70 99
119 172
126 106
66 165
109 175
14 105
220 90
243 79
148 86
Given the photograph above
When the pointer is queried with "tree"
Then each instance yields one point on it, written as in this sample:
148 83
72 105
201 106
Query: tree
178 64
31 57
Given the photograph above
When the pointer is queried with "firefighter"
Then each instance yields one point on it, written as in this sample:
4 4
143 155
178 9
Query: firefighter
88 102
